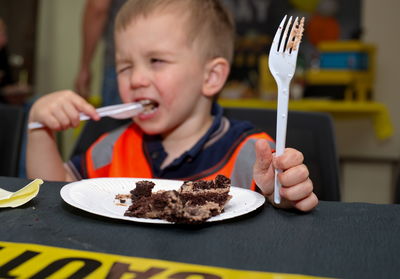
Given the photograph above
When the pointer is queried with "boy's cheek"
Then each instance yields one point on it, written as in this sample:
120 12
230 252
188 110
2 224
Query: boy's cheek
123 90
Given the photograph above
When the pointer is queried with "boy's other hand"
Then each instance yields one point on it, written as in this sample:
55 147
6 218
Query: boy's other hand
297 188
82 83
60 110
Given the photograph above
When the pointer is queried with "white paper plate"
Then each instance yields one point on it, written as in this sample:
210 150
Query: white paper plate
98 196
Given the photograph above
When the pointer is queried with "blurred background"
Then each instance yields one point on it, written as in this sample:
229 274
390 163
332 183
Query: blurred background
348 66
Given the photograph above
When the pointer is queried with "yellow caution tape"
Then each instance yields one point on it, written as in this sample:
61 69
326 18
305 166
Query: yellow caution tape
20 260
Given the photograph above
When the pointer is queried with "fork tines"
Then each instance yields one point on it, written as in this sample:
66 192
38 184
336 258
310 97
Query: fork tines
296 33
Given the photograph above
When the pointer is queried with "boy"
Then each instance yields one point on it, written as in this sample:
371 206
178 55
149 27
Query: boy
176 54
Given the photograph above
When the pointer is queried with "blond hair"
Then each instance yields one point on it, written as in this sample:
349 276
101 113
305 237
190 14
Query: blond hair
209 22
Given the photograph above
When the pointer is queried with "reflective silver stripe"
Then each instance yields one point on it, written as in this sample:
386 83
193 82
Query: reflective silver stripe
102 152
242 173
219 133
71 167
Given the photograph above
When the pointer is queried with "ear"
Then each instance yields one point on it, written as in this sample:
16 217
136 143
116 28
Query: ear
215 75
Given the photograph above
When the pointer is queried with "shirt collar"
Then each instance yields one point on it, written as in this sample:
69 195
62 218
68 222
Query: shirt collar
216 112
155 149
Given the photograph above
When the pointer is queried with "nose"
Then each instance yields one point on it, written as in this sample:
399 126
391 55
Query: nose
139 78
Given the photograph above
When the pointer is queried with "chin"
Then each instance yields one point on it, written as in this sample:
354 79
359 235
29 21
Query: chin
149 129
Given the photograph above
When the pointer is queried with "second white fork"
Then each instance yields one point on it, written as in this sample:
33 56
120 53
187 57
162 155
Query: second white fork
282 64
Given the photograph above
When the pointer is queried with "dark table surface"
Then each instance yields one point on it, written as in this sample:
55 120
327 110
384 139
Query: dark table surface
345 240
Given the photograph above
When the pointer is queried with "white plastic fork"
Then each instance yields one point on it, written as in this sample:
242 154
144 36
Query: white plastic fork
282 64
122 111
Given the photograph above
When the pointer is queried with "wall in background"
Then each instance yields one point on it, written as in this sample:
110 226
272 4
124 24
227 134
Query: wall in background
372 172
58 49
379 22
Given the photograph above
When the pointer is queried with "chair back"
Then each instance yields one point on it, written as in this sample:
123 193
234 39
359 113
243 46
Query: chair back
12 123
397 184
313 134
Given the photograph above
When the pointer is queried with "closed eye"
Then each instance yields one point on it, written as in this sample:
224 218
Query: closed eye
156 60
123 69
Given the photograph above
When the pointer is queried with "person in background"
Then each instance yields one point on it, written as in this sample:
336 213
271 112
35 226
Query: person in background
180 63
12 92
5 69
98 23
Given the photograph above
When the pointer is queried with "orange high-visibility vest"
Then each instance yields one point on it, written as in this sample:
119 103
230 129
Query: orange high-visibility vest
129 160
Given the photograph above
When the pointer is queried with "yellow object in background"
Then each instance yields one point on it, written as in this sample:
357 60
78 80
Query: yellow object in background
358 81
267 86
309 6
95 100
20 197
378 112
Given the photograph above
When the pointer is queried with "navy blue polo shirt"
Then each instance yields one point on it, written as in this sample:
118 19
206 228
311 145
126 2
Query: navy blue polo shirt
211 149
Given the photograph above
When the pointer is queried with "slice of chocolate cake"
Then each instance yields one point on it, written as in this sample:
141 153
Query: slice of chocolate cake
200 192
194 202
160 205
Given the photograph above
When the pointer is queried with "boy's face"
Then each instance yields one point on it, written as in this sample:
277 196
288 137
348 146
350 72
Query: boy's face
155 61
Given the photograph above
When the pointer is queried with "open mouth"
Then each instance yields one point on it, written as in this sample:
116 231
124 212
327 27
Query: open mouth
150 106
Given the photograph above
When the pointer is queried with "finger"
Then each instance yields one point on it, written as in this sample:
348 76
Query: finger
83 106
290 158
262 171
72 113
294 175
263 156
307 204
52 123
297 192
83 89
61 117
80 84
83 92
